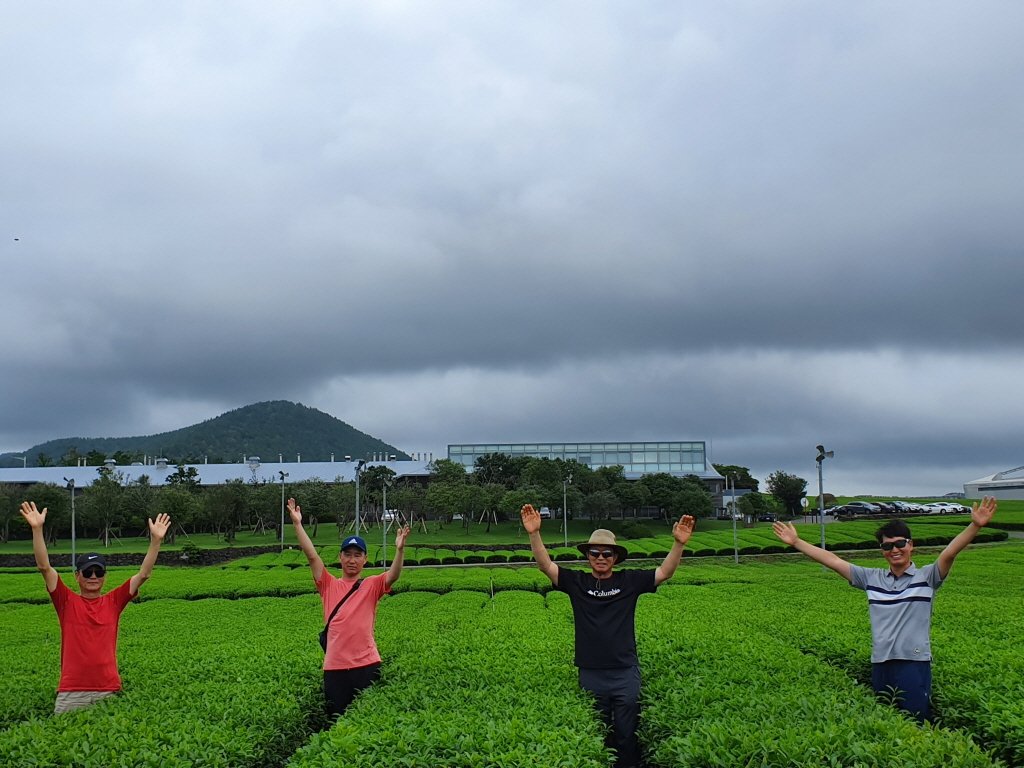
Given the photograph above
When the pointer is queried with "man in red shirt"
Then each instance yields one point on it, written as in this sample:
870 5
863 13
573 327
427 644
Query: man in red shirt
352 661
89 620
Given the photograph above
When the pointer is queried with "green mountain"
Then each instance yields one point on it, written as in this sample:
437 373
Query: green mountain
262 429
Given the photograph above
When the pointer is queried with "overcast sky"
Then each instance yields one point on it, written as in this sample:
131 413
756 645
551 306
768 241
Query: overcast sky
764 225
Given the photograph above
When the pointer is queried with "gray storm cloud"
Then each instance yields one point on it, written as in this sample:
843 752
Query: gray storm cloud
763 227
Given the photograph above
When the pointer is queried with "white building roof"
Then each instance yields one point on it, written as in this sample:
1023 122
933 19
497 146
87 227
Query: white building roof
215 474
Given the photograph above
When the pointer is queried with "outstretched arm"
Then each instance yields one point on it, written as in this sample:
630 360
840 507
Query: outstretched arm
36 520
157 531
787 533
981 515
396 565
681 532
531 523
316 565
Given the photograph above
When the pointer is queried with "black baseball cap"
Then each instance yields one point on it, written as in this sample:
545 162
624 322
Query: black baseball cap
92 560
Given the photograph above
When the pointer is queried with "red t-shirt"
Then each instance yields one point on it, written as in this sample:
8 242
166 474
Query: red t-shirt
88 638
350 641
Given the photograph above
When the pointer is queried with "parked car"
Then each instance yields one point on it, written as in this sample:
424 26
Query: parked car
845 511
767 517
945 508
545 513
866 507
907 508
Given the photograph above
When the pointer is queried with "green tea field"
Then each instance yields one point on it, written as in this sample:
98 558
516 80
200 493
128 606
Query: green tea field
761 664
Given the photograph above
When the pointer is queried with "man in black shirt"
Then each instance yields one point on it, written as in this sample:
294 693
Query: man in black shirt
603 609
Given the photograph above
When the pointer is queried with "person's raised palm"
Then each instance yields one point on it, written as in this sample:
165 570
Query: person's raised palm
531 518
981 514
158 528
786 532
32 515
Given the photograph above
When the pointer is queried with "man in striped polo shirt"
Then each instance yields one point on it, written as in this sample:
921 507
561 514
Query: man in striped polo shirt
899 604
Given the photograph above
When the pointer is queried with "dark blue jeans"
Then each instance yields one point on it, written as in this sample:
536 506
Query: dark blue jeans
908 682
617 697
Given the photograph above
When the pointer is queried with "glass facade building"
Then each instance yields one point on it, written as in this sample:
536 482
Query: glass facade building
679 458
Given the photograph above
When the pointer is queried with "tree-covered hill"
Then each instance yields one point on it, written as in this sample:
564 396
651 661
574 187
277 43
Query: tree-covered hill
262 429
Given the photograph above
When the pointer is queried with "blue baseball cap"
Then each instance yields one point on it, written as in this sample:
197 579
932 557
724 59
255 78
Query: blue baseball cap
354 541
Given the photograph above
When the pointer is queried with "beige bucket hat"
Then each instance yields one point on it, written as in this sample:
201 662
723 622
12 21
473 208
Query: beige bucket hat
602 537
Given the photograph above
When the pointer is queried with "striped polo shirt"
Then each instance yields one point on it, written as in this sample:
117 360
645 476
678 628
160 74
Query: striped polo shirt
900 608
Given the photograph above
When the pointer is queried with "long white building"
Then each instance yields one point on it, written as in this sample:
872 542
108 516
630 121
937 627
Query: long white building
1008 484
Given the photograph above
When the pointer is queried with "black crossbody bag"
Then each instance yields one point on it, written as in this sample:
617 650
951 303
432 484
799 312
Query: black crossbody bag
323 632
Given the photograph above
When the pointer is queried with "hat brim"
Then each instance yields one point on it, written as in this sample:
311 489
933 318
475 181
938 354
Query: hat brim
621 553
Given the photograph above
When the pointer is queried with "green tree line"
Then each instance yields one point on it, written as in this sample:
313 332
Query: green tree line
495 491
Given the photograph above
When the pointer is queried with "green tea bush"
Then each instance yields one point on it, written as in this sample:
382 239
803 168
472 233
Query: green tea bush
765 663
462 687
232 690
764 703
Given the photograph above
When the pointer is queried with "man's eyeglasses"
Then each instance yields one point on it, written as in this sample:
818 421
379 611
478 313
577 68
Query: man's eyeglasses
607 554
93 573
899 544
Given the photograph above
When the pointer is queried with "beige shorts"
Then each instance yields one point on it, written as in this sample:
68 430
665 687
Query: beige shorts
69 701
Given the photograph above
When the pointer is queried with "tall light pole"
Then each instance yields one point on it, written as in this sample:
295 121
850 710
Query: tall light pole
283 475
24 461
71 487
732 514
359 468
383 523
822 455
565 508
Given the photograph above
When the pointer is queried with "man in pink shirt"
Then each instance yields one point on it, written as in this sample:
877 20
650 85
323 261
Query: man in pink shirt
89 620
351 662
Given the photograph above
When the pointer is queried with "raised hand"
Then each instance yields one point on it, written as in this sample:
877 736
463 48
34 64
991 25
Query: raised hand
294 511
32 515
401 535
682 530
981 514
786 532
158 529
531 518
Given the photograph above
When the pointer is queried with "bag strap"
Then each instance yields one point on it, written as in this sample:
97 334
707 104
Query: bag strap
342 602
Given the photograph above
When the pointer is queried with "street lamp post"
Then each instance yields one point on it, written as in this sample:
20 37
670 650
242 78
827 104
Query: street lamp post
822 455
359 468
383 523
732 514
283 475
565 508
71 487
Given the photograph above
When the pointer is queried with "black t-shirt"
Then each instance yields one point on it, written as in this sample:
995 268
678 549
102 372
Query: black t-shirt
603 612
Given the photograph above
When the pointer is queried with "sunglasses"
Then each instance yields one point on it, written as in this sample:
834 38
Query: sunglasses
607 554
899 544
93 573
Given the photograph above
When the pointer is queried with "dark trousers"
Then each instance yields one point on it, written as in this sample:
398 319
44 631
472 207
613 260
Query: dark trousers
342 685
908 683
617 697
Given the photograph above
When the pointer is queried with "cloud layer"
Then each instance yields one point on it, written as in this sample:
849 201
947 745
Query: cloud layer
768 228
